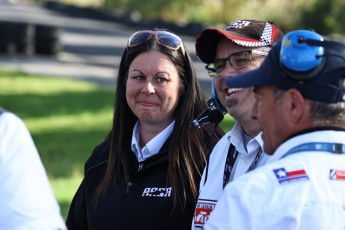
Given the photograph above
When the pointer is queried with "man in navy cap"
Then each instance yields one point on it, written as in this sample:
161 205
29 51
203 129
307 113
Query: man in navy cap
300 105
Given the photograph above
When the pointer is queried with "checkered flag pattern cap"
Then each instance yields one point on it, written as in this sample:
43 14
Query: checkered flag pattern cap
247 33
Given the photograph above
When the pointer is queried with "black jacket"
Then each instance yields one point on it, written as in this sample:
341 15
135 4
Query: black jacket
143 203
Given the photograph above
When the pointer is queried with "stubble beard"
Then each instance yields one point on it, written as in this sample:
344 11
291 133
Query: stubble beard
231 103
230 107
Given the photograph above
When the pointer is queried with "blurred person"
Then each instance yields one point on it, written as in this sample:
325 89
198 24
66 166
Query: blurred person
145 175
26 198
240 47
300 92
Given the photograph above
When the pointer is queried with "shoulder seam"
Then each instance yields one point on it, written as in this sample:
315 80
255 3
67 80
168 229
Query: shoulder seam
94 166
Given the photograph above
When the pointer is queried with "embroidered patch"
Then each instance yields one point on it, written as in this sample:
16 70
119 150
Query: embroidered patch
157 192
284 176
238 24
335 174
203 210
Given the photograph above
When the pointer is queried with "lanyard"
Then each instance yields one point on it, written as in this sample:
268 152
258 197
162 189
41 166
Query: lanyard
230 162
333 148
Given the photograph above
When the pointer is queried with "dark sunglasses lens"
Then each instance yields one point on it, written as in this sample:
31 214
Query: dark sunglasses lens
138 38
168 39
240 60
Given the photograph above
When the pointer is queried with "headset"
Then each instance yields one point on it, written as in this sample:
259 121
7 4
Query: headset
213 102
303 54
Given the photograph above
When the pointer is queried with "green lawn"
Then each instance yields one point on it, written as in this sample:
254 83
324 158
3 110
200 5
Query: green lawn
66 118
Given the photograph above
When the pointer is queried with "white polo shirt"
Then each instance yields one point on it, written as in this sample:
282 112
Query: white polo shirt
27 201
305 190
211 190
153 146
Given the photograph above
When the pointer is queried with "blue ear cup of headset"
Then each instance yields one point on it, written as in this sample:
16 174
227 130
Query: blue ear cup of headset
301 57
213 102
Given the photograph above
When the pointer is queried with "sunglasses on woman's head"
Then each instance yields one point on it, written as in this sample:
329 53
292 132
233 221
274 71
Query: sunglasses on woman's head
237 61
163 38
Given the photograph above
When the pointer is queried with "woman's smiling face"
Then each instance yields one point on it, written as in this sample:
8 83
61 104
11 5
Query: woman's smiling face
153 88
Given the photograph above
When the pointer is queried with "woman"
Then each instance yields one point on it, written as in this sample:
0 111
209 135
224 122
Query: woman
145 175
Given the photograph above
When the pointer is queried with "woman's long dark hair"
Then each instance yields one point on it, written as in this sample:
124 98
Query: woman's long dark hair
187 146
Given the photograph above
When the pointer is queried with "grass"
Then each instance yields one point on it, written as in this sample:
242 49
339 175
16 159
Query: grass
66 118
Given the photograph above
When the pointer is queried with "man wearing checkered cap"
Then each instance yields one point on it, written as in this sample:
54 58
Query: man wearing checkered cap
240 47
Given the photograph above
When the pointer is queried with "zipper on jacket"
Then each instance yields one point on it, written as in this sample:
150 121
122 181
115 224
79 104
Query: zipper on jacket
122 204
129 185
140 167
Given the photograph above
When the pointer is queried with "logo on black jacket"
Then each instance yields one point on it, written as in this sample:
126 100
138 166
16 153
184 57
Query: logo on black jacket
157 192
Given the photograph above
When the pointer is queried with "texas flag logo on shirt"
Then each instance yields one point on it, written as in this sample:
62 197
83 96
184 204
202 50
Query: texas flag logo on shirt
285 176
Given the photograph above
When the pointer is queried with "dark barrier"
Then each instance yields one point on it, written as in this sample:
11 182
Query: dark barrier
29 38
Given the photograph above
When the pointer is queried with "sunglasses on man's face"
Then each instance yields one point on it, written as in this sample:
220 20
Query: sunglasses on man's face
237 61
163 38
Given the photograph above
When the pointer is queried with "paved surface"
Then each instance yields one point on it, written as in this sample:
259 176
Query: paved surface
91 49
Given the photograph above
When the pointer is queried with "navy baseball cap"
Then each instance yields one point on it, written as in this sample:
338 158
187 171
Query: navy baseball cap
303 60
246 33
